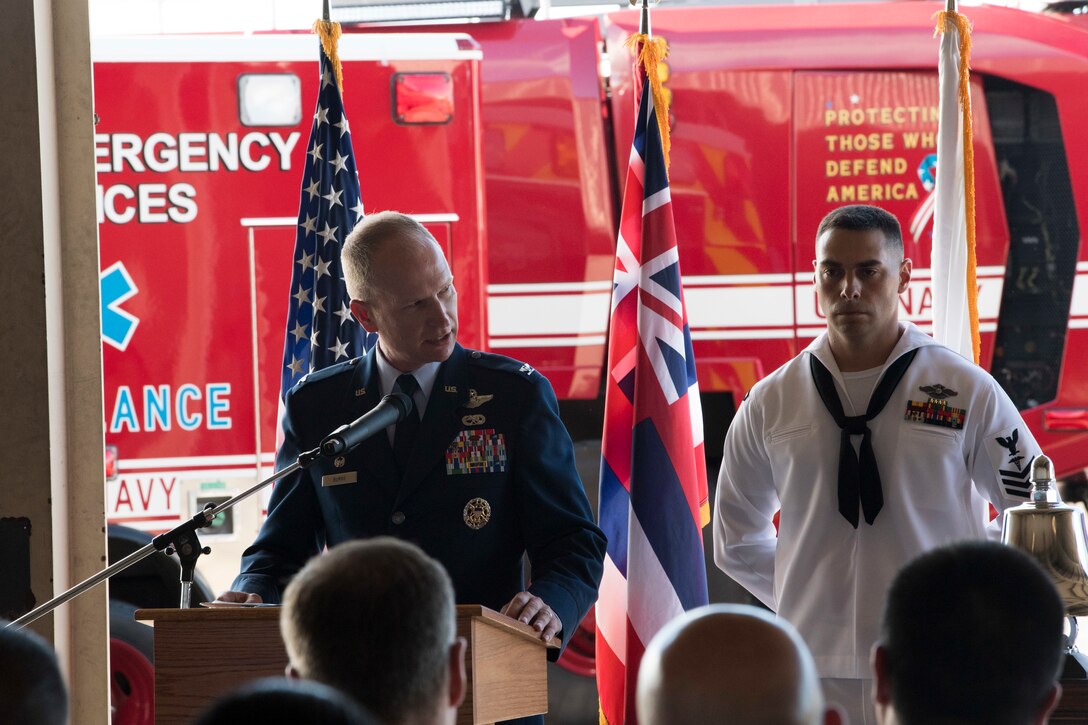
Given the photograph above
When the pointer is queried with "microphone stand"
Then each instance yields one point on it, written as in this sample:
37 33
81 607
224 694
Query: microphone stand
182 539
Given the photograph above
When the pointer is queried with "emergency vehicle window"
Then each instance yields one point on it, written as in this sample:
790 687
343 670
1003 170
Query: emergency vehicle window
269 99
1043 240
422 98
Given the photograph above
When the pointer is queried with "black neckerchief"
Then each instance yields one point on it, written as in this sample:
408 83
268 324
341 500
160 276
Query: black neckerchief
859 478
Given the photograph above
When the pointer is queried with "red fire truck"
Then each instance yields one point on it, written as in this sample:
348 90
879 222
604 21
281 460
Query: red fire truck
779 114
509 140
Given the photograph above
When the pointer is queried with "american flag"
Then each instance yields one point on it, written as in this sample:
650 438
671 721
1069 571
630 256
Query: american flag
320 328
653 500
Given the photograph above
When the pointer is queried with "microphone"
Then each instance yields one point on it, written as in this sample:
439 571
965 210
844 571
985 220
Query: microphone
390 411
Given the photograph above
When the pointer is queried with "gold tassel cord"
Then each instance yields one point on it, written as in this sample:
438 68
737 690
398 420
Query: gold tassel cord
330 39
650 52
947 21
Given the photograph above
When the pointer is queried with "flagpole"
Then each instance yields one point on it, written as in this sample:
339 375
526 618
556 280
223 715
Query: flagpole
325 9
950 6
644 21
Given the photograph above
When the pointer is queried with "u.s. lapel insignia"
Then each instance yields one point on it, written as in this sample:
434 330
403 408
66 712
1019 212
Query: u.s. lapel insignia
473 420
360 392
938 391
526 368
935 412
339 462
451 388
477 513
475 400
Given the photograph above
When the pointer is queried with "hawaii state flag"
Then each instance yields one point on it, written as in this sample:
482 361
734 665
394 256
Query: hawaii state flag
653 496
320 328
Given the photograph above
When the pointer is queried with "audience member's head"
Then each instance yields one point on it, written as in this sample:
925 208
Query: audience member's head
730 664
32 691
972 633
276 701
375 619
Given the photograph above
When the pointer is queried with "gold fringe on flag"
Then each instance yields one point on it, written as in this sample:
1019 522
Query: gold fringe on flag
330 39
652 51
946 22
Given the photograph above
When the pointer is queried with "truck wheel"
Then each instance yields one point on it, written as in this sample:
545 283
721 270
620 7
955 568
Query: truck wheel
132 672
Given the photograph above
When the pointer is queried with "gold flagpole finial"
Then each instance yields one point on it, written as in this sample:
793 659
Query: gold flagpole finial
649 54
329 33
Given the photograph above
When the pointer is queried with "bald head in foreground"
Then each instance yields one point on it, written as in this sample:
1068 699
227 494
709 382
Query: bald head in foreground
730 664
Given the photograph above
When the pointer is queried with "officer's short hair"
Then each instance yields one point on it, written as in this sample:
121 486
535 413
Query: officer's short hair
863 218
375 619
972 633
32 691
364 241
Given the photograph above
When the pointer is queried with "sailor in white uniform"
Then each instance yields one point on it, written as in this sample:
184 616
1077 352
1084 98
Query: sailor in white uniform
876 443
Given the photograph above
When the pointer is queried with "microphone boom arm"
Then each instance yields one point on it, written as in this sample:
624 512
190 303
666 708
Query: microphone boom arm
182 539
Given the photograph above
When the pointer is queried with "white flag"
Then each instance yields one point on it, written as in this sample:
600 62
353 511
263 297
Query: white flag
951 312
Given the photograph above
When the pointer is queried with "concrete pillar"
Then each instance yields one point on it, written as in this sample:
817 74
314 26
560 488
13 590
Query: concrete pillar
51 386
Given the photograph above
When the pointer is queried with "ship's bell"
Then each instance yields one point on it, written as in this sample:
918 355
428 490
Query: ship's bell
1055 534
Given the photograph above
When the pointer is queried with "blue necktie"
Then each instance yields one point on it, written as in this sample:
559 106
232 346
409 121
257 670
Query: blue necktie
404 435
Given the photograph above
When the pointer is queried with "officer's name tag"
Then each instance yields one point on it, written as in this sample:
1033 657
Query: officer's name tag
339 479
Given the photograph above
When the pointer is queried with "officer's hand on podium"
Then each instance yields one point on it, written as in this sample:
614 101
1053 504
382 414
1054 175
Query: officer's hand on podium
239 598
531 610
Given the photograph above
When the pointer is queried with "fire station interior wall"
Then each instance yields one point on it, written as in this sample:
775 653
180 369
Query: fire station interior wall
52 500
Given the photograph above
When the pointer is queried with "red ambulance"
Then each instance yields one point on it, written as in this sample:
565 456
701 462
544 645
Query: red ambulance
199 152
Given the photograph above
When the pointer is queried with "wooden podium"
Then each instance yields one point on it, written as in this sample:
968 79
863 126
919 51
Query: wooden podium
1073 707
201 654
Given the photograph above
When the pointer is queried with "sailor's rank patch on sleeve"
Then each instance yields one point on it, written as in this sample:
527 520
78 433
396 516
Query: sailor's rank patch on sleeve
1011 461
479 450
935 412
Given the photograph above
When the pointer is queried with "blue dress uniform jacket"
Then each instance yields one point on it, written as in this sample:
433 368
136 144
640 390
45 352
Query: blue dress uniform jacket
491 477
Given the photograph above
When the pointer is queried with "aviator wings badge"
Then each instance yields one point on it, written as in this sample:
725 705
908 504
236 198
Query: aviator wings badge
475 400
938 391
